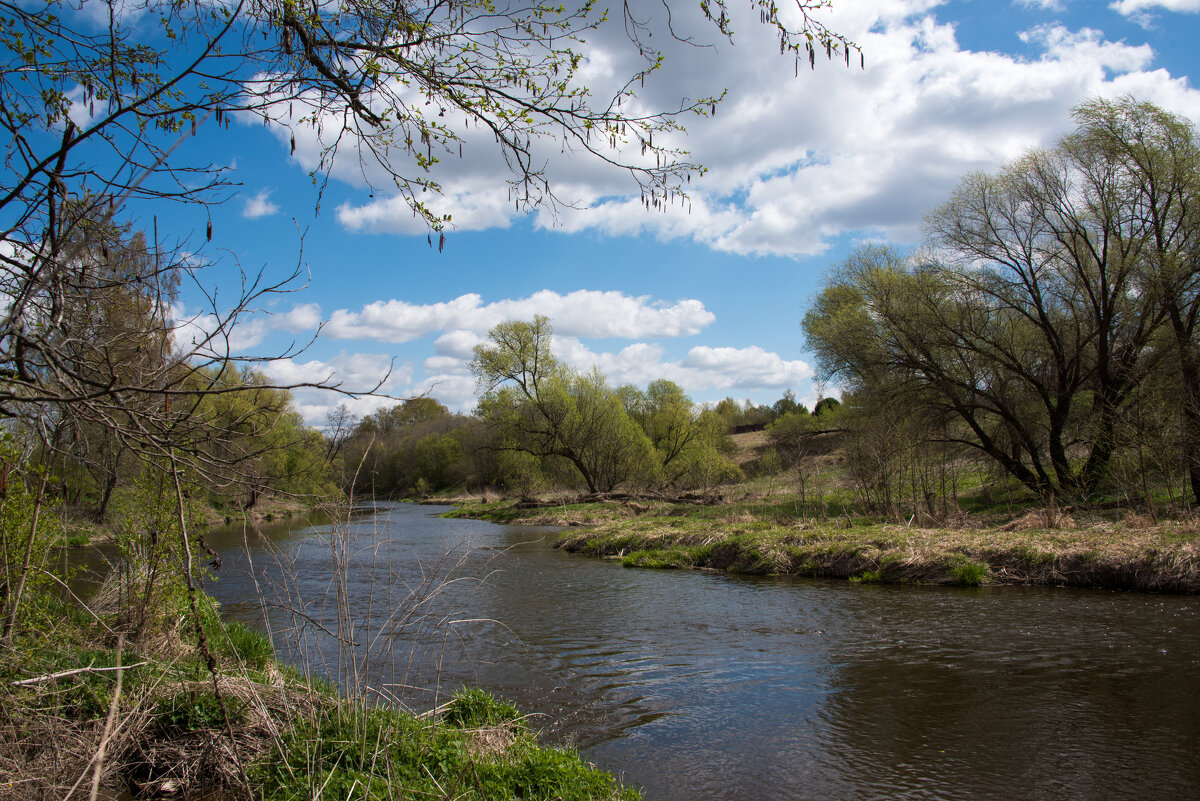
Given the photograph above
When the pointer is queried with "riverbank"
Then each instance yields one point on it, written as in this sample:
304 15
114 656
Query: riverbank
209 712
80 527
1041 547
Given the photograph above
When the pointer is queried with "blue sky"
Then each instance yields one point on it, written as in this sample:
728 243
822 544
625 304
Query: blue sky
800 169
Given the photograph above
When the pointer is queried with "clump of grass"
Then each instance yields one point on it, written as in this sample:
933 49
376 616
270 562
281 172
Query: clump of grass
657 559
478 750
970 573
473 707
250 647
188 712
868 577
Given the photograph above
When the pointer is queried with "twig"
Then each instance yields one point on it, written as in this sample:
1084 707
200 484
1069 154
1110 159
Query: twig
108 725
88 669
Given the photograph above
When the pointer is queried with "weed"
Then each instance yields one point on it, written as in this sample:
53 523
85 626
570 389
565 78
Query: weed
250 647
971 574
472 707
868 577
192 711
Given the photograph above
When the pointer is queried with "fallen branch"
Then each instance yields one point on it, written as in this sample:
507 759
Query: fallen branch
63 674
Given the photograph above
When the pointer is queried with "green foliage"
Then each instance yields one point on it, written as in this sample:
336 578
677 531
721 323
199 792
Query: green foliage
355 752
149 576
970 573
538 407
194 711
416 447
250 647
868 577
473 708
261 444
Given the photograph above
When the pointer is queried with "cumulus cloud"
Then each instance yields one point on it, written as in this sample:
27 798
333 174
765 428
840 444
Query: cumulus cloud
1132 8
1045 5
468 208
589 313
795 162
303 317
208 335
704 369
353 373
259 205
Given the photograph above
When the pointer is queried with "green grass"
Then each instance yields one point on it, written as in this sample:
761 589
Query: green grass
868 577
479 750
327 747
251 647
473 707
970 573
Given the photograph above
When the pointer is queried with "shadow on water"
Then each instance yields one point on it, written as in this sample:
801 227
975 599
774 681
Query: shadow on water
709 686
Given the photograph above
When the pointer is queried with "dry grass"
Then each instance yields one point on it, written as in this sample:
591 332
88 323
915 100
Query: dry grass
1093 553
43 753
490 742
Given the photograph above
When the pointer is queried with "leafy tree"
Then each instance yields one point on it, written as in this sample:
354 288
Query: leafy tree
540 407
1153 158
1036 312
252 441
690 443
786 405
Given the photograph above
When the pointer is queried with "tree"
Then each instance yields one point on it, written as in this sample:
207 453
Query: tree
1035 313
688 441
540 407
786 405
97 97
1154 157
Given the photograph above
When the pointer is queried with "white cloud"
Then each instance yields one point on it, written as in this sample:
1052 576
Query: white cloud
445 364
704 369
206 335
794 162
355 373
469 209
1087 49
209 335
303 317
1045 5
458 344
260 205
1132 8
350 373
588 313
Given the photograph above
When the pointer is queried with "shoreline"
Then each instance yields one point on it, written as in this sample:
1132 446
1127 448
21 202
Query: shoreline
1124 555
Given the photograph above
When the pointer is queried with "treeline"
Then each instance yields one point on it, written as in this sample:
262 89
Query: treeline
1048 326
541 425
98 393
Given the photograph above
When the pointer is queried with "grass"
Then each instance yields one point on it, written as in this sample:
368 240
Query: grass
1164 558
253 729
479 749
756 533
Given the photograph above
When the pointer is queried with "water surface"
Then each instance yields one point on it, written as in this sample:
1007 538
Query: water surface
709 686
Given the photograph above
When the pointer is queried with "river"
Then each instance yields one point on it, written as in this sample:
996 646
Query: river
700 686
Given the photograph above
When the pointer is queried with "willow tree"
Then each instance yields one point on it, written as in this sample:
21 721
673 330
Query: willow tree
1036 310
1155 160
538 406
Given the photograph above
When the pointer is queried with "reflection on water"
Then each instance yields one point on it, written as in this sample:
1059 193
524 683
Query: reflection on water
708 686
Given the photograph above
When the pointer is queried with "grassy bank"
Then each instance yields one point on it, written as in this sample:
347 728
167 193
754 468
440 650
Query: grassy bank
760 536
185 714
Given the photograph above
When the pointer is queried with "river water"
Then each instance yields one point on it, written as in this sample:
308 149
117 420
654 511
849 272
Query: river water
709 686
